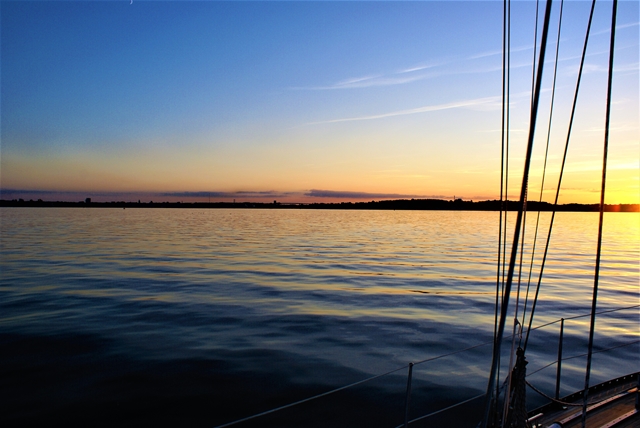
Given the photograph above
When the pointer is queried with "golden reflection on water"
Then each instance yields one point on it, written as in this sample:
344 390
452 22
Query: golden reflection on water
437 265
364 289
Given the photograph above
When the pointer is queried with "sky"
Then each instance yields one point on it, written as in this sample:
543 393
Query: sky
307 101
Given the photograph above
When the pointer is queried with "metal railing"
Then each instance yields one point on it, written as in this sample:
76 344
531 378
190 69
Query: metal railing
410 366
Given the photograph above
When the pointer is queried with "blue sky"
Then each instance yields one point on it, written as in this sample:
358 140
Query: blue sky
288 99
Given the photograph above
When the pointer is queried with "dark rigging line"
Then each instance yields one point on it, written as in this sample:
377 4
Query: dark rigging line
594 300
564 159
517 333
506 29
535 47
495 316
525 178
506 106
495 320
544 168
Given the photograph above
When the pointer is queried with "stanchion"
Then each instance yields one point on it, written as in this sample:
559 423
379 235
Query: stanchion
559 367
408 397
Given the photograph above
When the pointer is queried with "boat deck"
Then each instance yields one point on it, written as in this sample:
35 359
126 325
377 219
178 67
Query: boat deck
613 405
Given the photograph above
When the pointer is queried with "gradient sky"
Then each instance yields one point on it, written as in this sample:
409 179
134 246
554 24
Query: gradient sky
303 101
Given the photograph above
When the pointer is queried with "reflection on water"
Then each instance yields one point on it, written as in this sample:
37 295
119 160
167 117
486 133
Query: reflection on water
221 313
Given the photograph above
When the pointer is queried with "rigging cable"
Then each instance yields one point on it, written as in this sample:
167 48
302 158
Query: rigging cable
518 332
304 400
535 47
360 382
507 107
544 168
495 317
505 410
594 300
564 159
525 179
506 29
633 342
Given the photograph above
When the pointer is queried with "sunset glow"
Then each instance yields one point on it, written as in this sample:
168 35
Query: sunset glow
304 101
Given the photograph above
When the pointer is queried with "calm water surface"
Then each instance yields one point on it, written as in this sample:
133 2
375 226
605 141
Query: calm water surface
200 317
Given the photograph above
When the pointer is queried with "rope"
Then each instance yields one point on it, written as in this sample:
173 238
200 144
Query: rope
504 168
505 410
544 168
443 410
533 81
564 159
603 350
517 327
601 221
504 384
517 416
525 180
324 394
564 403
601 312
425 361
583 316
583 355
450 353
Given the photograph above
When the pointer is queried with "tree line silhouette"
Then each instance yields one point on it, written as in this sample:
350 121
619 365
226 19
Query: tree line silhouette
398 204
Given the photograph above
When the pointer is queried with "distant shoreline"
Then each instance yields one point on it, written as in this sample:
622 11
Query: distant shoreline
399 204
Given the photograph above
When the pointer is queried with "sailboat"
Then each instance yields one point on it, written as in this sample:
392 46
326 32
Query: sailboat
615 403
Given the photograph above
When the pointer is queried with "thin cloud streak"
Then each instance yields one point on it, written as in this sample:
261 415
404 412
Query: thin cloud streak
422 67
618 27
366 82
396 78
425 109
356 80
239 194
400 80
499 52
340 194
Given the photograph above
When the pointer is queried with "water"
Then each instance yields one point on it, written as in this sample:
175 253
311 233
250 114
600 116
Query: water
200 317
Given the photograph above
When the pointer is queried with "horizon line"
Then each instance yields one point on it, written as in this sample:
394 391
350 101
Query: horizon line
457 200
258 196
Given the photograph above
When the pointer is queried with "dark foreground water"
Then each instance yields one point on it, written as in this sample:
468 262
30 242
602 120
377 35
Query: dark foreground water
165 317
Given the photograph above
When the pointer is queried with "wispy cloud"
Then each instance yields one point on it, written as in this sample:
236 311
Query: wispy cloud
421 67
368 81
626 67
528 48
14 193
339 194
368 196
488 101
239 194
356 80
30 191
400 77
499 52
621 127
618 27
410 74
599 68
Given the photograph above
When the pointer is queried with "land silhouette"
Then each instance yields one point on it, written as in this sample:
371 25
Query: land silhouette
397 204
